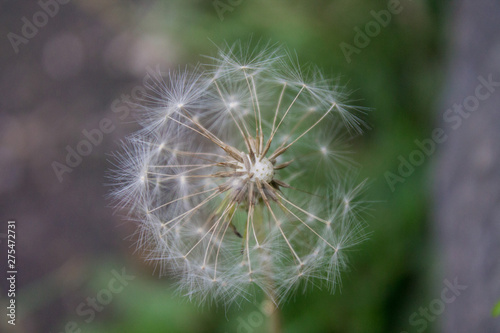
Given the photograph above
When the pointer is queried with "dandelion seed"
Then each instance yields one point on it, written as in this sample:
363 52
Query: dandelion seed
219 176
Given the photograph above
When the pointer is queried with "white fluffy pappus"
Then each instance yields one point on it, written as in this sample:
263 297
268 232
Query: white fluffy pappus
234 178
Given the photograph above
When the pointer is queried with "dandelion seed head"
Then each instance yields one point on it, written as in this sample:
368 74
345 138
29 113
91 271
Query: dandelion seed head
220 177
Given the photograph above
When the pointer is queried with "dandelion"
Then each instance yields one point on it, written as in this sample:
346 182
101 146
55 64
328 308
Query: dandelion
237 179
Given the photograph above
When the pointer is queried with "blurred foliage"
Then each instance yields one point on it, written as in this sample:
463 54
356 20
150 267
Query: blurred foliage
496 310
398 77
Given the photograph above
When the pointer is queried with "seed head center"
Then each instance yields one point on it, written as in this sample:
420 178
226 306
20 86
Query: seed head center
262 170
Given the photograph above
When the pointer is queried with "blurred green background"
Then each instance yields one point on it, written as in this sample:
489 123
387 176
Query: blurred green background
397 76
